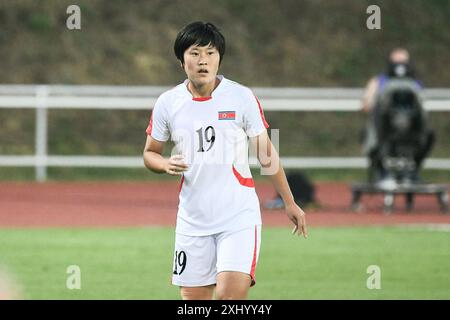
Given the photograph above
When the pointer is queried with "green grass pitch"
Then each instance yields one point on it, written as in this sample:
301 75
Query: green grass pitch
136 263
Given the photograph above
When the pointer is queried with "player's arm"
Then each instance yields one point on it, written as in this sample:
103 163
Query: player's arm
154 160
269 159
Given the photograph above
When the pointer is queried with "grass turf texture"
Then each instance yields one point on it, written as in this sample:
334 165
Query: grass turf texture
136 263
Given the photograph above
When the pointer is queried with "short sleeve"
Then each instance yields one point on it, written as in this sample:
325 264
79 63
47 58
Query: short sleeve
158 126
254 120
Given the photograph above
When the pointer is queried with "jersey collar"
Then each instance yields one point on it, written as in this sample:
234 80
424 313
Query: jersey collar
213 94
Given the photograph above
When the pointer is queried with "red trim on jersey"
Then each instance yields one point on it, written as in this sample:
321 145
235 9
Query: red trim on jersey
255 251
246 182
262 113
150 126
181 183
202 98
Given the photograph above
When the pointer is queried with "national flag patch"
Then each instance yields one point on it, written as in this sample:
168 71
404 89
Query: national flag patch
227 115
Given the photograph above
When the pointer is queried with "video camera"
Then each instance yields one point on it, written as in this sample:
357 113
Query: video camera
400 129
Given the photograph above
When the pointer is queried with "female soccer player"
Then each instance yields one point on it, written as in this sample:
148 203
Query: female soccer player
210 119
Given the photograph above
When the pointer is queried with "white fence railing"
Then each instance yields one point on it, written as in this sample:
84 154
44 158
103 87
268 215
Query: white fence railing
43 97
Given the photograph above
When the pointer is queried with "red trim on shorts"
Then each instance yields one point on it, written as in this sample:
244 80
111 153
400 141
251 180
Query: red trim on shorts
255 250
181 183
262 113
150 126
246 182
202 98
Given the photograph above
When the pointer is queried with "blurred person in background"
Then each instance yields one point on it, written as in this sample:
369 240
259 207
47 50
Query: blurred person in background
398 64
398 67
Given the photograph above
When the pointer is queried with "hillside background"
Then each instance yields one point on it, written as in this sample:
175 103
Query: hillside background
269 43
287 43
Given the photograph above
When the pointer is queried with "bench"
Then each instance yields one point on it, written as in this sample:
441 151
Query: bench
409 190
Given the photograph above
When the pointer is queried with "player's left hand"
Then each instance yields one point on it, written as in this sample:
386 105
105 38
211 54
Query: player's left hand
297 216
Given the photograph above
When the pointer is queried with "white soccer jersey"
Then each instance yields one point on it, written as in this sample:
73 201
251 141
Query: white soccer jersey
217 191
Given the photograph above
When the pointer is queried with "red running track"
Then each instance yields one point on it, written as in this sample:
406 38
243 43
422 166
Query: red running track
105 204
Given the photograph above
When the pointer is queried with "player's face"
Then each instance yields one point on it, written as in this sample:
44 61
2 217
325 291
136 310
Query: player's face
201 64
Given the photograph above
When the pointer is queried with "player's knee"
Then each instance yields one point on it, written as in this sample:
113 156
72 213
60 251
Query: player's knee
223 295
197 293
232 292
232 286
235 294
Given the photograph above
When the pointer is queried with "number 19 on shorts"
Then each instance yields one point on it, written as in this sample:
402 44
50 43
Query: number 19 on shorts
180 262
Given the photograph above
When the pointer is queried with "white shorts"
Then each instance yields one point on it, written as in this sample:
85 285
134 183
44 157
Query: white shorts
198 259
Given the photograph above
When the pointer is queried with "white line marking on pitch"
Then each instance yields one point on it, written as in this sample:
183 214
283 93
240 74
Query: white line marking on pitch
442 227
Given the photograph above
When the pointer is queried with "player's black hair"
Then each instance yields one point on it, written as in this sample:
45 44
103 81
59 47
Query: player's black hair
201 34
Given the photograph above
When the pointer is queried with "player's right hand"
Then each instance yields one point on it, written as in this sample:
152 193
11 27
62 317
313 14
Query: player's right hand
175 165
297 216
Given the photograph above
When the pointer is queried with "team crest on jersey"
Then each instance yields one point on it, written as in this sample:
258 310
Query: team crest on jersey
227 115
